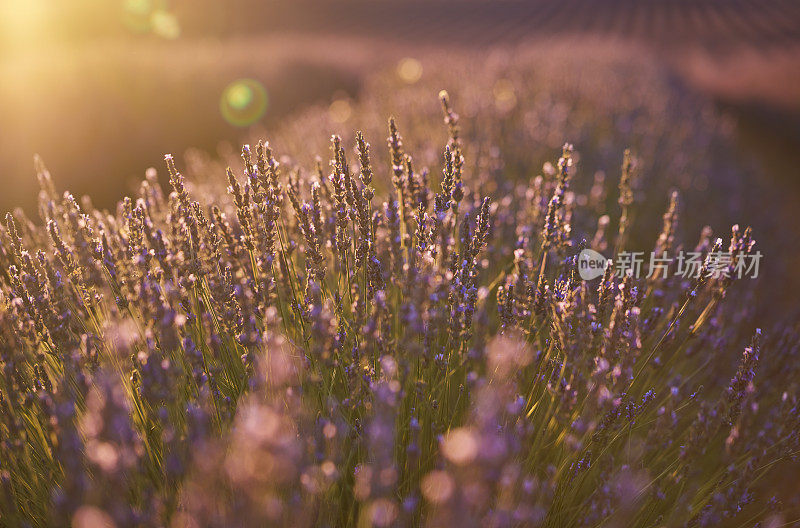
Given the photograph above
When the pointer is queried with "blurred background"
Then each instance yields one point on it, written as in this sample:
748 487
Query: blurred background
101 89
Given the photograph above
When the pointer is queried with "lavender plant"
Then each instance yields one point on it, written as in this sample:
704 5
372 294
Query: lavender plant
380 344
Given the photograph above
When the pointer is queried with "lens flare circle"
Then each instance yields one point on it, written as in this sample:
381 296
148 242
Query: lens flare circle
243 102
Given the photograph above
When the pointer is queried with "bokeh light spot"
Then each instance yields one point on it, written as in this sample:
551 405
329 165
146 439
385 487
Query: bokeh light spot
460 446
409 70
165 24
139 15
340 110
92 517
437 487
243 102
139 7
505 98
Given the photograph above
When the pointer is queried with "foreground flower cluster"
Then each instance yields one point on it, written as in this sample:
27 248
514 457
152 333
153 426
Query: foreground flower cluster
359 346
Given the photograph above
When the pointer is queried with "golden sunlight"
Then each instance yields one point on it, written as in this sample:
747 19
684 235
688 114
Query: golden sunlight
23 22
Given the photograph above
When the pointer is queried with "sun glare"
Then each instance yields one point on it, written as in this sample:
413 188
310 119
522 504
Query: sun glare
23 22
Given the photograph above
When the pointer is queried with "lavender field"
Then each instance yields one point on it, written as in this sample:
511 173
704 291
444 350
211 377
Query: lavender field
468 263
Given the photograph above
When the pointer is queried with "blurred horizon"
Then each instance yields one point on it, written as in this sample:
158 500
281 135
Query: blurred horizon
102 89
